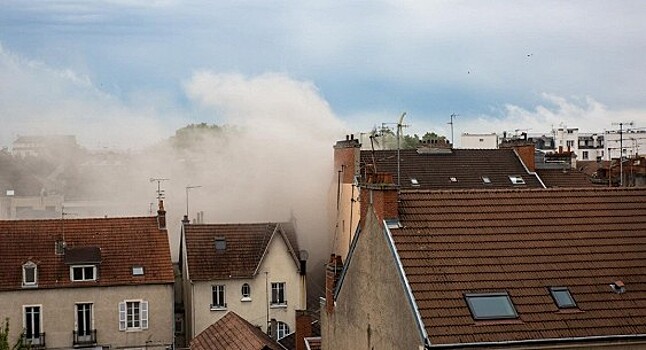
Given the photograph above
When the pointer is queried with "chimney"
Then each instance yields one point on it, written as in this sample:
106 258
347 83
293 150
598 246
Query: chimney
185 220
380 192
332 275
161 216
303 328
346 158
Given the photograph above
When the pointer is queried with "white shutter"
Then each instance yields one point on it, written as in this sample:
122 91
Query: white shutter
122 316
144 315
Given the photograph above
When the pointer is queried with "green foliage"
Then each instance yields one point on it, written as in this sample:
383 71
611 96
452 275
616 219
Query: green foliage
4 338
195 135
388 139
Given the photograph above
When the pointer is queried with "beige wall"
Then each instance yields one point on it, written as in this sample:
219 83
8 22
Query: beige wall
341 239
280 267
58 314
372 311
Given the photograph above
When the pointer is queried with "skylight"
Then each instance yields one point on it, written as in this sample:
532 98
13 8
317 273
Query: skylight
453 179
562 297
393 223
414 182
516 180
486 180
137 270
491 306
220 244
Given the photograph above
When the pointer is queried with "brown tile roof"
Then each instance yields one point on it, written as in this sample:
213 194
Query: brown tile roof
522 242
231 332
571 178
245 248
467 166
123 242
313 343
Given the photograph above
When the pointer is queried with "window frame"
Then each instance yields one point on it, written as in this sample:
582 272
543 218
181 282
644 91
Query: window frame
89 331
83 269
221 304
469 296
516 180
282 328
29 265
127 325
278 298
40 324
557 301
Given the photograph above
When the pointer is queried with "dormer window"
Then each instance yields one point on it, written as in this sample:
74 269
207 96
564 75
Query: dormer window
137 270
30 274
83 273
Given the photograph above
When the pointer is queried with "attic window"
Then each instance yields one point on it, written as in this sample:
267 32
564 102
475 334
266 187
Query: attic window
137 270
220 244
486 180
516 180
414 182
491 306
29 274
393 223
562 297
453 179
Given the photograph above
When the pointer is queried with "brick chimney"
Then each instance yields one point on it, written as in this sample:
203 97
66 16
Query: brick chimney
381 193
332 275
346 158
303 328
161 216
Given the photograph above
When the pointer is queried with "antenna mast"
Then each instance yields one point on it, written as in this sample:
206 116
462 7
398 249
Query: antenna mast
453 115
621 151
399 132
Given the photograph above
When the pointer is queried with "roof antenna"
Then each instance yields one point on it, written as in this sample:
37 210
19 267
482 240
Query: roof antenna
453 115
399 132
161 194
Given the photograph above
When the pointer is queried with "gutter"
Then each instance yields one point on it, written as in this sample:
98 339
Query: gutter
527 170
409 293
546 341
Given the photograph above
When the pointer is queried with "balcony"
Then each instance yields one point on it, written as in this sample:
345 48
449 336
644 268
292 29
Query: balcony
84 338
34 341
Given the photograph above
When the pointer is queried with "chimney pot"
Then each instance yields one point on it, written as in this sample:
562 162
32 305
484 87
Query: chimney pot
161 216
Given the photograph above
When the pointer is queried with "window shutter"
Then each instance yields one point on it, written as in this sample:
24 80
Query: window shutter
144 315
122 316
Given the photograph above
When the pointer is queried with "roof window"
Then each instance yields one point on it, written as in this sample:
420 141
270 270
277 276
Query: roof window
516 180
453 179
491 306
562 297
137 270
414 182
220 244
393 223
618 287
486 180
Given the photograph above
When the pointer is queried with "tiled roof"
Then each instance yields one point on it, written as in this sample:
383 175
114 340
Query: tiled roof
232 332
313 343
466 166
523 242
123 242
245 246
571 178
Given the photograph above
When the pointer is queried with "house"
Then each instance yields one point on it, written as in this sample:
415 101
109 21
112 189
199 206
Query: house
232 332
101 282
253 269
506 268
433 165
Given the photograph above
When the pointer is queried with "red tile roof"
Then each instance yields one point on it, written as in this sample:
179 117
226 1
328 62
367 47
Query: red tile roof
232 332
570 178
467 166
523 242
123 243
245 248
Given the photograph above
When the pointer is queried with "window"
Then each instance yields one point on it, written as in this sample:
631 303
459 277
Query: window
491 306
414 182
486 180
83 273
278 294
133 315
516 180
246 292
29 275
453 179
585 155
282 330
220 244
137 270
570 143
32 325
84 333
562 297
218 300
393 223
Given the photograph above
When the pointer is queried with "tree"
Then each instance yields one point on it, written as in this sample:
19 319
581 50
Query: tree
4 338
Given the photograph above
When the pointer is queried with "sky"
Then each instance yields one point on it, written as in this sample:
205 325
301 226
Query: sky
127 73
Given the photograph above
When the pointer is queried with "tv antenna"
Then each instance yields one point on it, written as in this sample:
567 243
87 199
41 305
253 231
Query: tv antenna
400 125
161 194
453 115
621 150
